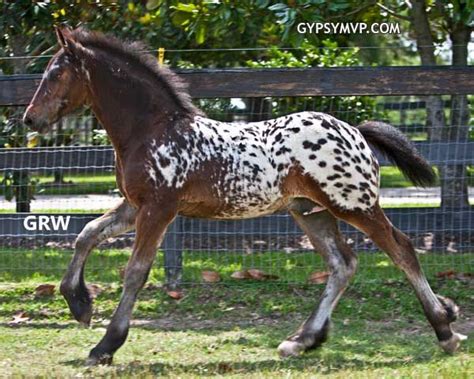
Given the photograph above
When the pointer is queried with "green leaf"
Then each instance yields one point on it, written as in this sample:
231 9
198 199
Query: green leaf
181 18
200 33
190 8
278 7
262 3
152 4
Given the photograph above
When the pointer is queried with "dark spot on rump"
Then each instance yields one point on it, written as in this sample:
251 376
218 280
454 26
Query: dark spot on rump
326 125
278 137
322 164
307 144
338 185
333 177
164 162
338 168
322 141
312 157
348 175
307 123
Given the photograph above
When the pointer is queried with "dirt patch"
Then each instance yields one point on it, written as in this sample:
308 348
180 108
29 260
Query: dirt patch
464 325
173 324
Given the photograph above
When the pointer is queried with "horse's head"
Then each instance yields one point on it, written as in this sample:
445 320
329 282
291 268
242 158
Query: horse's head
63 86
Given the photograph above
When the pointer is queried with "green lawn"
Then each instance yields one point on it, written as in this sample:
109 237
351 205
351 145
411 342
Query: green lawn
232 328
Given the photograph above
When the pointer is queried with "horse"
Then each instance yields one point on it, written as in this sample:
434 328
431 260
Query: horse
171 160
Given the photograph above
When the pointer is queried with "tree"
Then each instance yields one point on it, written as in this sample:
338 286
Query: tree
439 21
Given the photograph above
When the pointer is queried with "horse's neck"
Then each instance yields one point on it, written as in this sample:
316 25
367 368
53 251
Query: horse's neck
127 107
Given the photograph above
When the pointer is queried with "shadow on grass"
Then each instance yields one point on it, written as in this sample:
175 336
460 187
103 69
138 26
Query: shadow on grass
334 357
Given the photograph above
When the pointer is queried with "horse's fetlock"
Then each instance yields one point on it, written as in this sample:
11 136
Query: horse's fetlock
451 310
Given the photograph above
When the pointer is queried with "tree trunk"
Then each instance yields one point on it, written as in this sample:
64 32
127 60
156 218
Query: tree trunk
455 184
435 117
22 196
22 191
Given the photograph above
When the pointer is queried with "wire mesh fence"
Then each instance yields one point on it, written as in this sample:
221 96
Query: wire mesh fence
77 183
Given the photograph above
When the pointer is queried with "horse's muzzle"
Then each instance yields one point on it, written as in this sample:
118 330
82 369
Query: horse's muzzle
34 124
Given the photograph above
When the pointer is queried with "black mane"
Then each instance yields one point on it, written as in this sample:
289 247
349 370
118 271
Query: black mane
135 52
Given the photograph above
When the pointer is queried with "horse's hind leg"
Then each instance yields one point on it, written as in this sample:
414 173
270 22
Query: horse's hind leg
323 232
439 311
114 222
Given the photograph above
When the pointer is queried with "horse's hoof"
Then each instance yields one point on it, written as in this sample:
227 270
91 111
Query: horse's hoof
290 349
102 359
451 345
79 302
82 312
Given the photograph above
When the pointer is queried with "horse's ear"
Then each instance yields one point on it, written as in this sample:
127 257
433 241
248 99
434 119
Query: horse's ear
64 37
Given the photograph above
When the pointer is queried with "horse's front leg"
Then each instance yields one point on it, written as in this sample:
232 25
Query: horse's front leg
114 222
322 230
151 223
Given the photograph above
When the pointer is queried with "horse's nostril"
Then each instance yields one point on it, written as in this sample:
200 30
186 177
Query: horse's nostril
28 121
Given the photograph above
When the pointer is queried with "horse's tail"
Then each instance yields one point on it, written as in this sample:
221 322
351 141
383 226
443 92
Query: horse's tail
399 150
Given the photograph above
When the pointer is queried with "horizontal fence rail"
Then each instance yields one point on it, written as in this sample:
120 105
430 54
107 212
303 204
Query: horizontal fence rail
101 158
337 81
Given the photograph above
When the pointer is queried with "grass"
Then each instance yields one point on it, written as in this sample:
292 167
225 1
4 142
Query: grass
231 328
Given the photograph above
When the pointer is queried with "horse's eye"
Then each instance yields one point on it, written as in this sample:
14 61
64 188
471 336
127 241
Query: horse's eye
54 75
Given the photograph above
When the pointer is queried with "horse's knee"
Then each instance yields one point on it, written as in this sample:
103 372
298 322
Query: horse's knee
351 266
89 236
85 238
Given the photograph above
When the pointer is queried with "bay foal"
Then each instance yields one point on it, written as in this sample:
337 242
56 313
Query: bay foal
172 160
